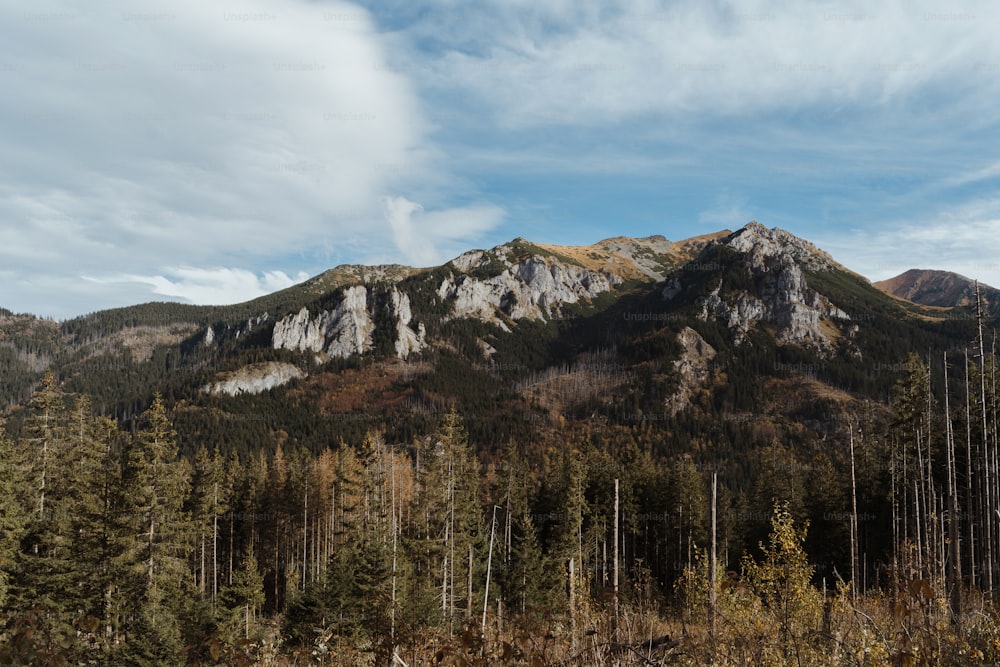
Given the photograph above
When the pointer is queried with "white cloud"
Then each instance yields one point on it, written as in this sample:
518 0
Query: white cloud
727 212
613 62
137 137
424 237
211 286
142 136
984 173
964 239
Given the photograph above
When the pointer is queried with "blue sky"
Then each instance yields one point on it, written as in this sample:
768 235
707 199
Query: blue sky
213 152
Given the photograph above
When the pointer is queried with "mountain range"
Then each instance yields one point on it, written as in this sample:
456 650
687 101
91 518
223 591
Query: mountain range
942 289
730 337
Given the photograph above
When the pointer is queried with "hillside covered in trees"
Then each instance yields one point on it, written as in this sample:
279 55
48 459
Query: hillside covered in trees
119 551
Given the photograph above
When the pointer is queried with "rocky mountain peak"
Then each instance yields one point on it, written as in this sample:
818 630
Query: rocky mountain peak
762 245
781 296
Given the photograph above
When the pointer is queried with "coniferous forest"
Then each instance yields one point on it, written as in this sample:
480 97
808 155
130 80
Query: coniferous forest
586 547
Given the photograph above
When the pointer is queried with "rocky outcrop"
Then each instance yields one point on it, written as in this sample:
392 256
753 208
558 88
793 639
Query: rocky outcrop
408 340
343 332
693 368
760 244
252 323
348 329
775 259
533 288
254 379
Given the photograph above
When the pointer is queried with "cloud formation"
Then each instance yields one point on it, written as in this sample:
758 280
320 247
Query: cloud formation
140 137
600 63
421 235
213 286
287 136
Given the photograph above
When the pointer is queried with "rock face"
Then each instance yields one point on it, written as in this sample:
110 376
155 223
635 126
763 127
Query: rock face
693 367
532 288
760 244
519 281
775 259
254 379
408 341
342 332
348 329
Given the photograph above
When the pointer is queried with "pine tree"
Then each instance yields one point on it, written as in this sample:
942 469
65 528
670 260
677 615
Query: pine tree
446 521
12 513
523 578
242 599
155 567
92 473
44 577
689 505
204 507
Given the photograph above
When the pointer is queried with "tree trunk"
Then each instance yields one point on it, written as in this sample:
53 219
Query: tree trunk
955 554
712 563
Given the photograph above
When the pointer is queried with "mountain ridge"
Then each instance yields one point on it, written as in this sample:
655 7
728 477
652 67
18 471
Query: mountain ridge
520 329
942 289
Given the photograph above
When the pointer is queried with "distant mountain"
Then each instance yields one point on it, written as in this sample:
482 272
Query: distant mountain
940 288
738 337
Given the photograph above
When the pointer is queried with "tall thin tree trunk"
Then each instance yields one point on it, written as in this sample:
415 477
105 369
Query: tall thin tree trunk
451 521
955 556
930 494
920 544
895 508
921 502
616 560
970 499
201 583
988 472
854 520
305 533
468 589
489 570
713 564
572 606
215 544
395 528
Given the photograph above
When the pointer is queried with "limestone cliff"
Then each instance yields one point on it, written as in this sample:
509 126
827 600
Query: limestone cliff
693 368
342 332
775 259
408 340
254 379
530 288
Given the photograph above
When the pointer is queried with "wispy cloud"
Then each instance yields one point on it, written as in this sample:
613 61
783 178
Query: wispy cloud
727 212
209 286
425 237
553 65
964 239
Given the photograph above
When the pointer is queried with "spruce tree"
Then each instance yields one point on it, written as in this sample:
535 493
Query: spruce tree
155 572
446 522
12 513
522 574
242 600
44 580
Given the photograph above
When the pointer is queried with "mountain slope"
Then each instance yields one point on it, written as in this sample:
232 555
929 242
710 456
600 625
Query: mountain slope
686 338
940 288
